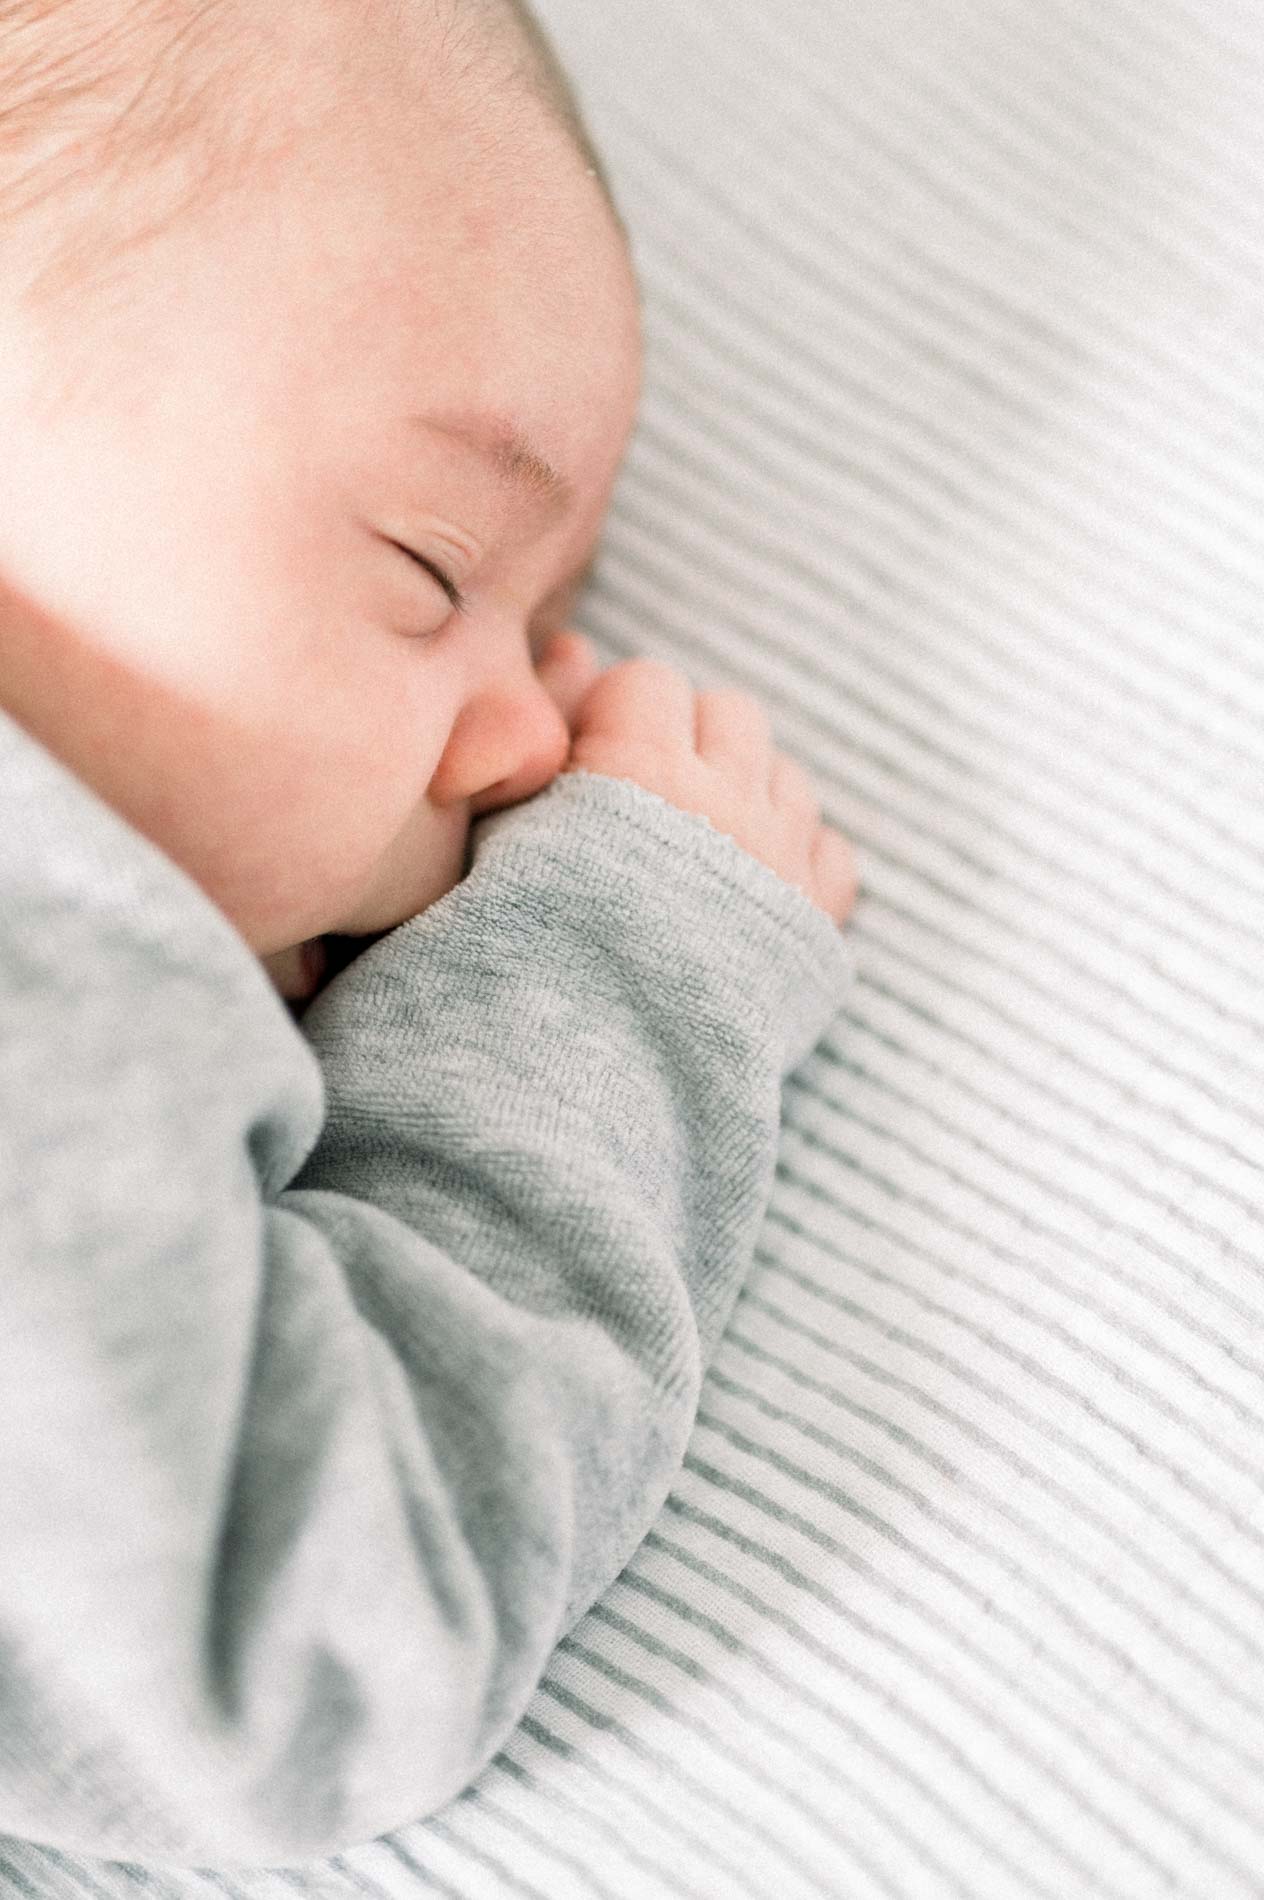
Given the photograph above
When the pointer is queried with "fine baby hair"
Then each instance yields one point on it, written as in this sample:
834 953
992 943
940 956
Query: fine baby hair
119 119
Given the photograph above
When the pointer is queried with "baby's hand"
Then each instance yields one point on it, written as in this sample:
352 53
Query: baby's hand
712 753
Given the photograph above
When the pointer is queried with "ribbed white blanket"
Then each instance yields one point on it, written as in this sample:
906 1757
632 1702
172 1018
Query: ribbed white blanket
951 451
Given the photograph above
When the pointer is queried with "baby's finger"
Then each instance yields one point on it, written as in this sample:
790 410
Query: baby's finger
733 730
567 668
791 790
641 701
835 874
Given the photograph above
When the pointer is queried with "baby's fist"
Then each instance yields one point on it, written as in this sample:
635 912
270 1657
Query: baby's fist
712 753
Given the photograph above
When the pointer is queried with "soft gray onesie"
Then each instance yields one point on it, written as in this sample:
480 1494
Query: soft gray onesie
344 1364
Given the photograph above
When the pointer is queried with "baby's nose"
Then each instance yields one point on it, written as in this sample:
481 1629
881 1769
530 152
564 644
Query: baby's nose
505 747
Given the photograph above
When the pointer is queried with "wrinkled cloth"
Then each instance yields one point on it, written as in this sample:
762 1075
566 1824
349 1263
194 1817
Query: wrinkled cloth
344 1364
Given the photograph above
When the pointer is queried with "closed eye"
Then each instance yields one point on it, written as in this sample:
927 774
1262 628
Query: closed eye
448 585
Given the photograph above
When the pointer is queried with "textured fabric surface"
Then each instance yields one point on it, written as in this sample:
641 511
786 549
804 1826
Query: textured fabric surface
950 450
341 1372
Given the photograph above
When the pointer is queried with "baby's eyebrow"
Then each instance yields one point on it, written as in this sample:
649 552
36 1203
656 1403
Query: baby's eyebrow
518 464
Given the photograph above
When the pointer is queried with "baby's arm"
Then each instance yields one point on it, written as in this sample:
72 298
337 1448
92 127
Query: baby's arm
314 1440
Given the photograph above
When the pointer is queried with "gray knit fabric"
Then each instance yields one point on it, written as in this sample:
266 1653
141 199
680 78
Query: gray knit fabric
950 451
341 1372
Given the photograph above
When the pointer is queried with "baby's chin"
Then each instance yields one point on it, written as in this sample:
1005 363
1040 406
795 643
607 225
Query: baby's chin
302 970
297 973
301 973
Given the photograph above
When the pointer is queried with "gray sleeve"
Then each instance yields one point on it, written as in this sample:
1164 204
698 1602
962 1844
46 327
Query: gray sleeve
343 1369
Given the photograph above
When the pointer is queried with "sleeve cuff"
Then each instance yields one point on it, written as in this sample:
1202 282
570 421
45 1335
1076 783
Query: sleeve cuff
767 941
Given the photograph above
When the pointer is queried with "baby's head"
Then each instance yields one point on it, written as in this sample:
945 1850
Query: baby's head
286 291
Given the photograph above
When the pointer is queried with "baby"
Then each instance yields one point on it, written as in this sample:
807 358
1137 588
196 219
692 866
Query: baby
343 1363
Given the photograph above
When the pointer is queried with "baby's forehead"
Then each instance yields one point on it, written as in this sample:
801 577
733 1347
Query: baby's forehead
135 119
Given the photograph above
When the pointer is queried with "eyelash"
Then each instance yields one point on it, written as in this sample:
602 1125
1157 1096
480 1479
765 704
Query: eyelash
437 574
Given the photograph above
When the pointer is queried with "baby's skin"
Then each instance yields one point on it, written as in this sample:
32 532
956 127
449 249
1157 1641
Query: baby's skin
316 372
280 578
706 752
